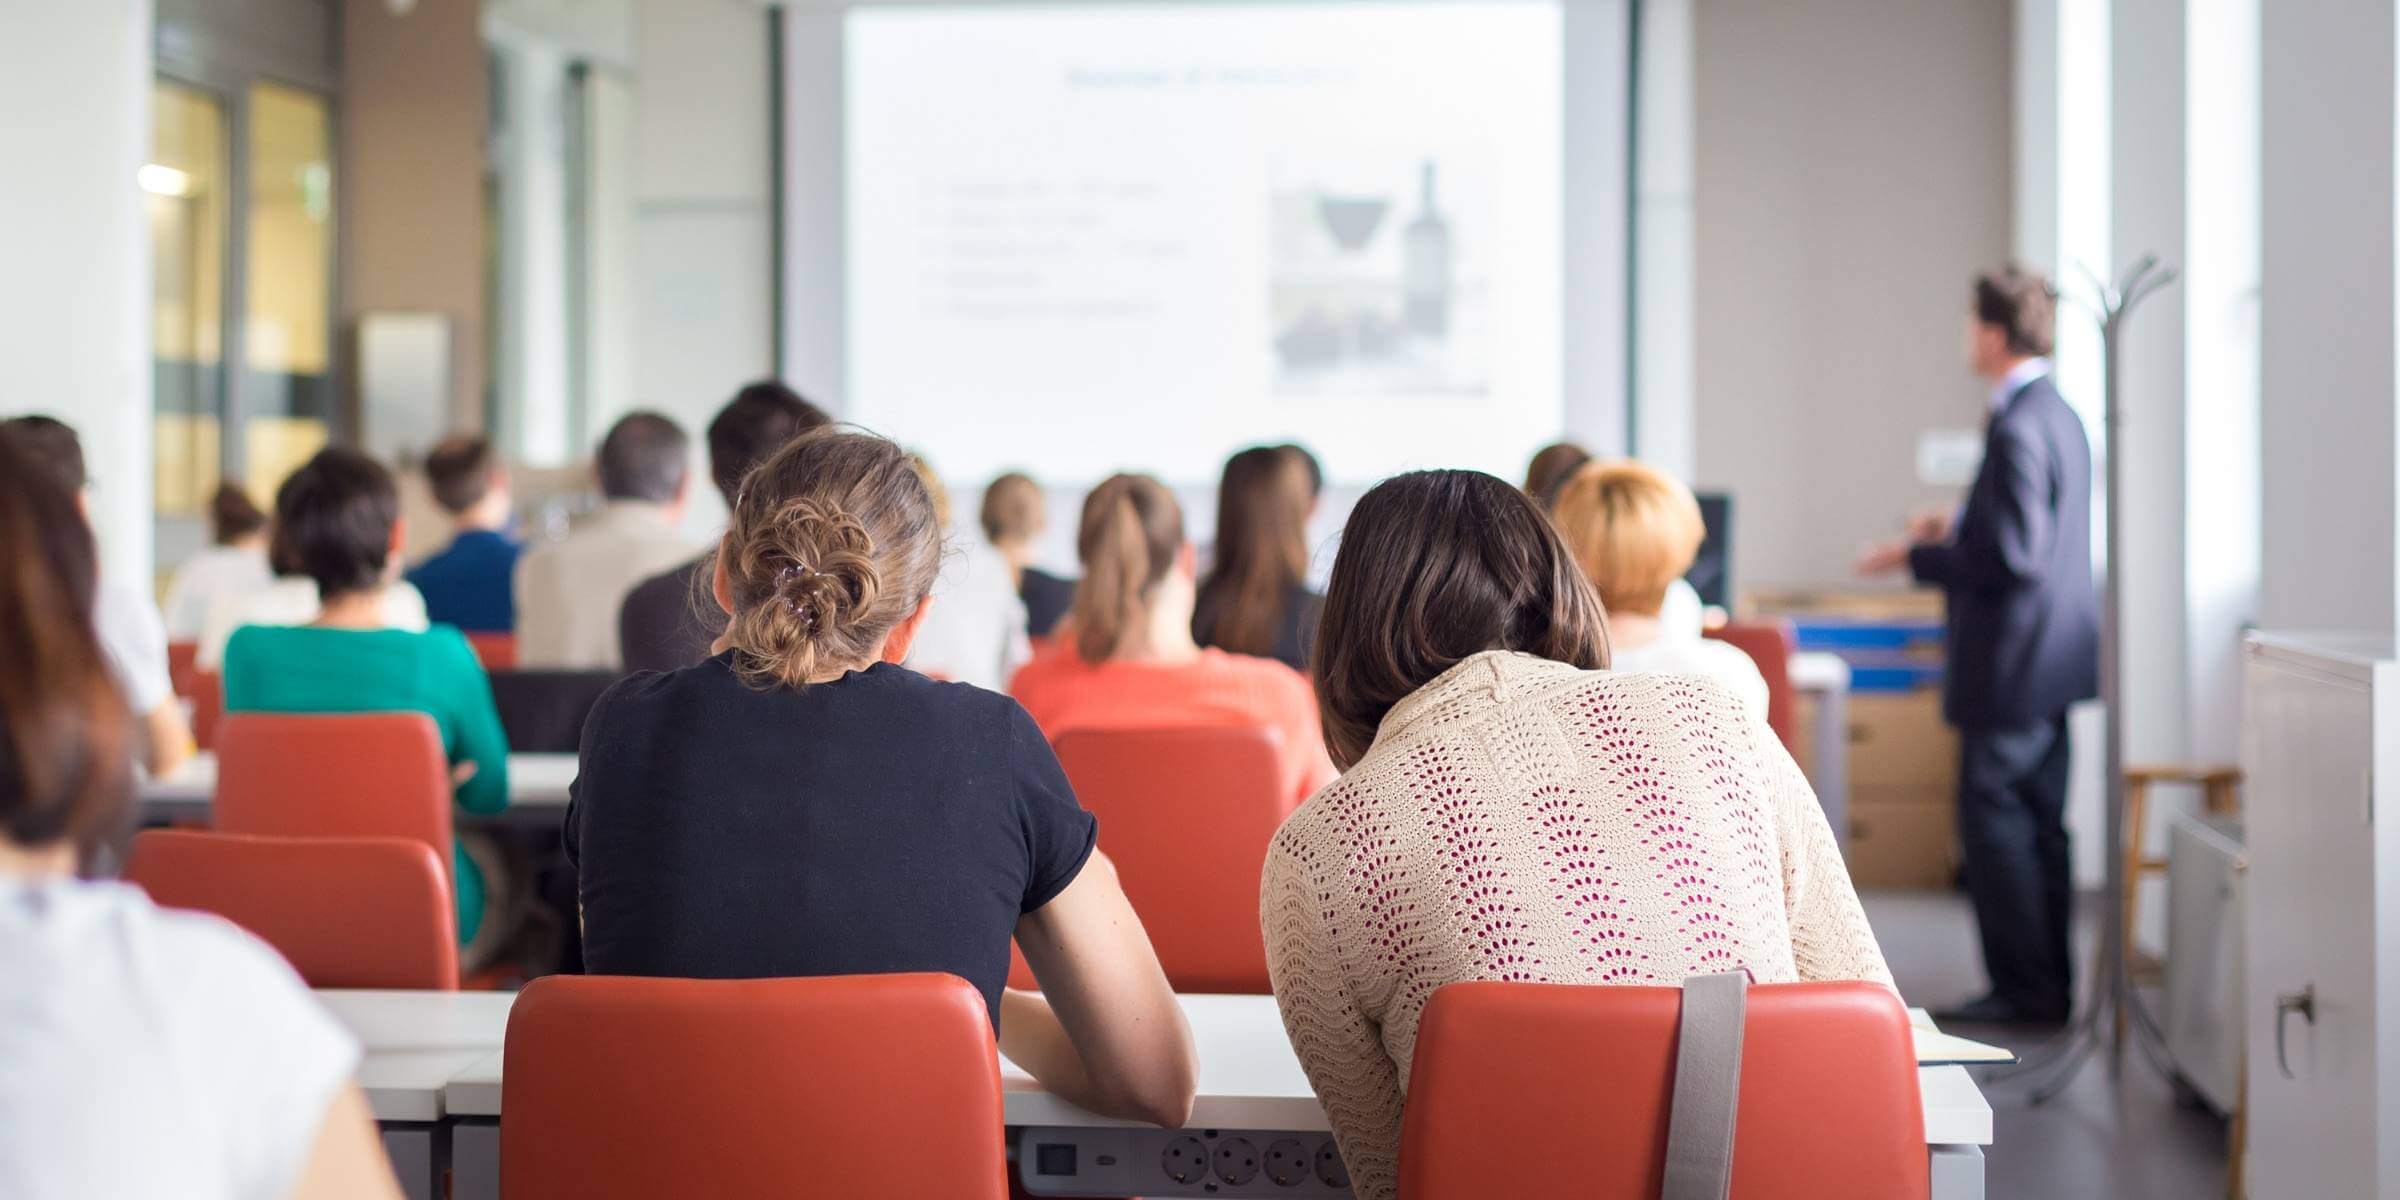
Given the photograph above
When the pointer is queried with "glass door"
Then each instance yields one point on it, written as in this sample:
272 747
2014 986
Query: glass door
186 193
287 390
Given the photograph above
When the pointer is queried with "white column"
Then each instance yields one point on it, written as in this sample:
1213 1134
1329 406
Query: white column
2221 411
2147 217
75 287
2327 315
1665 425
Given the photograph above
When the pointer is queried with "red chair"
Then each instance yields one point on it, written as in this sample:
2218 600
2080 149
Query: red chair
334 775
861 1085
208 708
1186 815
183 666
345 912
1771 645
1528 1089
497 651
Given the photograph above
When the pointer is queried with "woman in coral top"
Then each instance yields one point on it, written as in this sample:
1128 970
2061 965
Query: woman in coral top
1126 658
1505 805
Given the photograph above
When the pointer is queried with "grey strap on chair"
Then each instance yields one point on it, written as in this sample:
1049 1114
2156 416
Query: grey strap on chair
1708 1084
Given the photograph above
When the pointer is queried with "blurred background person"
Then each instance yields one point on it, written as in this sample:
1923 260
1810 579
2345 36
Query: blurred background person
1130 660
127 622
1635 530
1014 514
2023 643
471 583
233 563
1550 469
570 592
1255 598
973 630
668 620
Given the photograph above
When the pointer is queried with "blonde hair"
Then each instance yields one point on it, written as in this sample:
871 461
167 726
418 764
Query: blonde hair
934 487
1012 509
1132 530
833 541
1633 528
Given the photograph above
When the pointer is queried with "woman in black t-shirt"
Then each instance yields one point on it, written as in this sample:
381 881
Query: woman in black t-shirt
799 804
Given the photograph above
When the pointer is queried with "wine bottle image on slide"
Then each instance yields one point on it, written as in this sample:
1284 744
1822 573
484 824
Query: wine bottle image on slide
1425 269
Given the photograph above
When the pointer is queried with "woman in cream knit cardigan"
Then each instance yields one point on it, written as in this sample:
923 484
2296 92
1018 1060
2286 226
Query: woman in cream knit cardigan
1508 810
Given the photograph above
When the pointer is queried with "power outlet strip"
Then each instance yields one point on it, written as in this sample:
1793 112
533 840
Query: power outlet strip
1231 1163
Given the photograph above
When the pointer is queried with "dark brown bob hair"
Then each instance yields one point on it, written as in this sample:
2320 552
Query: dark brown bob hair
1435 567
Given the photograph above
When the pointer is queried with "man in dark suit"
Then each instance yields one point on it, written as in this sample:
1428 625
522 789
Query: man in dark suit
2023 640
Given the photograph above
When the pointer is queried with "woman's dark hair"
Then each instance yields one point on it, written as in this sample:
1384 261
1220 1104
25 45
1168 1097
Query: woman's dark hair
333 522
1435 567
66 758
761 419
1131 533
1262 550
231 515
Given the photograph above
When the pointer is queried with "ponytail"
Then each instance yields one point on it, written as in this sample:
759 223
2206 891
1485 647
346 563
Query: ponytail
1132 530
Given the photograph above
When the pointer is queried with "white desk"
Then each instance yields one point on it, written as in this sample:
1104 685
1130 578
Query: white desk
435 1057
537 790
415 1043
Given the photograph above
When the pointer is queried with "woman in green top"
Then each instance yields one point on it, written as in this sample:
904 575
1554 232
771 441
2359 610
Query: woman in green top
337 520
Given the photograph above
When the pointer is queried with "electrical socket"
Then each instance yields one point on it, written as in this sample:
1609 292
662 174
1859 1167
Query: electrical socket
1185 1160
1237 1160
1288 1162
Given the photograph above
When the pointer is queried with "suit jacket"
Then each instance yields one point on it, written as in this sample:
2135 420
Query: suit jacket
2024 622
569 591
669 620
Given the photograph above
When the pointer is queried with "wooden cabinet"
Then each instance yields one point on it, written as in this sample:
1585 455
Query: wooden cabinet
2321 750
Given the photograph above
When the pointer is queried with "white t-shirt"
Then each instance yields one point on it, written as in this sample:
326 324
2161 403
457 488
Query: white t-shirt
1707 658
293 600
136 644
976 630
146 1053
208 577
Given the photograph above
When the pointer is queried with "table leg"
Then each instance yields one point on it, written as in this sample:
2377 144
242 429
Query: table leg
420 1156
475 1160
1957 1172
1830 750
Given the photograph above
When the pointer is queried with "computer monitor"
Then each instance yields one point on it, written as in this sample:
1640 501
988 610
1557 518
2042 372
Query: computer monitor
1712 570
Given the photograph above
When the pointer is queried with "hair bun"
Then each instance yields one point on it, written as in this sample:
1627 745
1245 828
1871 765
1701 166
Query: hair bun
824 574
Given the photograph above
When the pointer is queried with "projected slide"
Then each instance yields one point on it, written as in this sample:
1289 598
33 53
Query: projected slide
1086 238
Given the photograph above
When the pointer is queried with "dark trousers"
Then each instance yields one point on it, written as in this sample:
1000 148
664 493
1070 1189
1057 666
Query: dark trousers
2012 803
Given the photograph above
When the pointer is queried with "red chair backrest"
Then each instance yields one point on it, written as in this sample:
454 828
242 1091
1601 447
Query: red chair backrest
859 1085
497 651
345 912
1186 815
1770 644
1531 1089
183 667
334 775
208 707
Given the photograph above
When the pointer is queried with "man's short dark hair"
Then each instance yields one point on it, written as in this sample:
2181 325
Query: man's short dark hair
643 458
333 522
462 469
1308 465
50 445
2021 304
752 426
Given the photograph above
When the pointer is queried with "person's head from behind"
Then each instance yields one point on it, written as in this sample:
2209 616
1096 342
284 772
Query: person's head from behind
468 481
1310 469
337 521
1014 514
50 446
1262 547
1634 529
66 748
760 420
1137 570
2012 315
233 520
1550 469
828 560
645 458
1435 567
